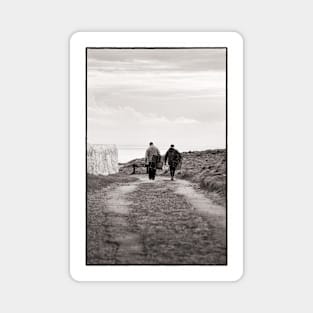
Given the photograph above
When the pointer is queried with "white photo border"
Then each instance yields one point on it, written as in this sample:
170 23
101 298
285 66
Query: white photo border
233 271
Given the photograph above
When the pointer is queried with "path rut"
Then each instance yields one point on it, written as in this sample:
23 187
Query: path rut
158 222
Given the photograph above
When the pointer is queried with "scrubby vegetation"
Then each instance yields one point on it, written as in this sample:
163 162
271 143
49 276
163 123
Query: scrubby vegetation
96 182
208 169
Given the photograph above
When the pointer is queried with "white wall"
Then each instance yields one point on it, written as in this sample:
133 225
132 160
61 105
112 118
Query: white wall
102 159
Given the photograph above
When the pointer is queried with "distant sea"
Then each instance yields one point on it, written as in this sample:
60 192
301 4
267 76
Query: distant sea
127 153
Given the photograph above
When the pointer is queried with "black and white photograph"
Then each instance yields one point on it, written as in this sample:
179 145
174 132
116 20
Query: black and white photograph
156 156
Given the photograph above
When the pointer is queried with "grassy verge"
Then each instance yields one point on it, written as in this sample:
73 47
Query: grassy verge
96 182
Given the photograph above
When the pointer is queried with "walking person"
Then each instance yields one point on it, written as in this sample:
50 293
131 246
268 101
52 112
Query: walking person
152 157
174 158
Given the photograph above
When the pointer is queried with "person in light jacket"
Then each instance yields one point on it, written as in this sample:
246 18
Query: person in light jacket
174 158
152 157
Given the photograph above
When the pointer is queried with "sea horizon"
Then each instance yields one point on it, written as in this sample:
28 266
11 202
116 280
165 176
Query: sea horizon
128 152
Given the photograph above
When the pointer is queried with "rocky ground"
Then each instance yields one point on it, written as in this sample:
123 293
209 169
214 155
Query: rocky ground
131 220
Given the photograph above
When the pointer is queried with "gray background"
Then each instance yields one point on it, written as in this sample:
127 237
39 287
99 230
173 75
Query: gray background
34 156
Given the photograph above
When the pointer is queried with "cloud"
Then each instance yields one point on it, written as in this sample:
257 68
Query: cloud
157 59
128 115
170 82
171 71
124 125
138 95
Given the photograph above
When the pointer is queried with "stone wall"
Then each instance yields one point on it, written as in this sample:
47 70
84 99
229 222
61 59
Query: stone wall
102 159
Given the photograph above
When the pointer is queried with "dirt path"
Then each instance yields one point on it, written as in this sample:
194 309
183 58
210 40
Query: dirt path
197 199
155 222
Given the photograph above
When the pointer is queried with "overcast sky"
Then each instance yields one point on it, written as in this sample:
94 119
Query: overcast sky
162 95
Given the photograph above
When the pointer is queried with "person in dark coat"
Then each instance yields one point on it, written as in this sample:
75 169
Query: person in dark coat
174 158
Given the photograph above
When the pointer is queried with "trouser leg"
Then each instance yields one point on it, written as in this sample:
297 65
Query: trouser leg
149 170
172 171
153 170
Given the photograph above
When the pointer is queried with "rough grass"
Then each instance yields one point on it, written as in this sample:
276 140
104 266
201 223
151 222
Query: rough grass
101 245
208 169
173 233
96 182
